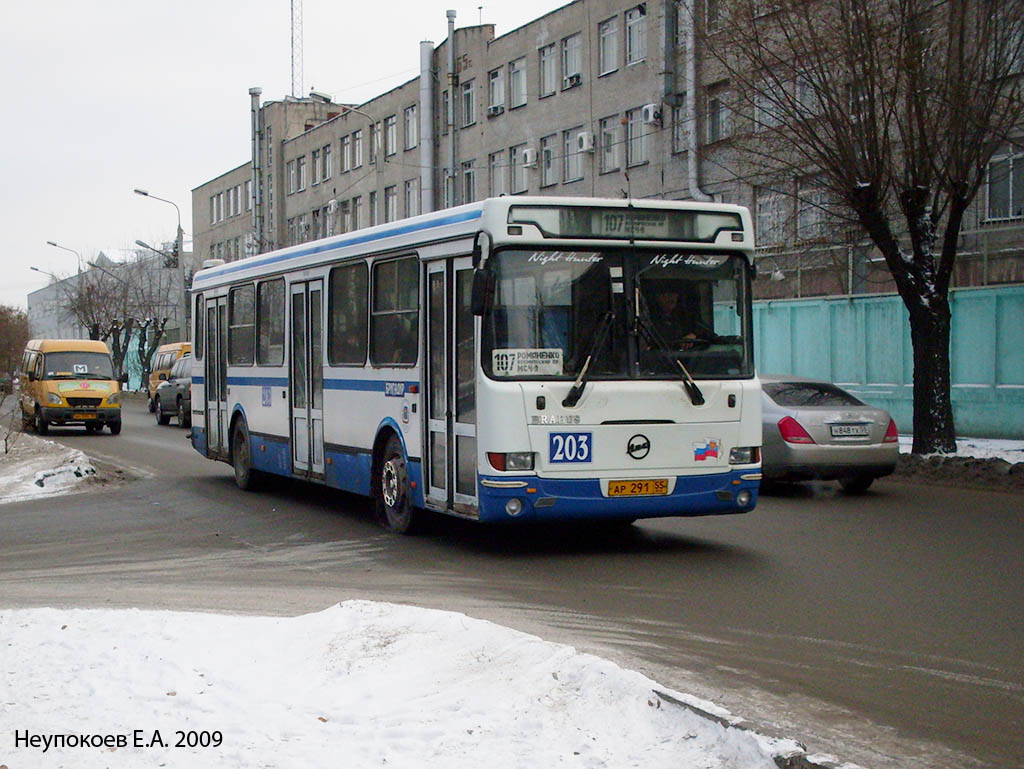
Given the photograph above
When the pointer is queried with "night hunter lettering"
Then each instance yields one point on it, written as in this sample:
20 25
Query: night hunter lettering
667 260
139 738
563 256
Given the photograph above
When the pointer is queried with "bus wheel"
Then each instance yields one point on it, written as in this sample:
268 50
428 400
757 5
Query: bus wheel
392 494
246 478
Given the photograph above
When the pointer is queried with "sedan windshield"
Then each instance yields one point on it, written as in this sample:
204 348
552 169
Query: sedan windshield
633 314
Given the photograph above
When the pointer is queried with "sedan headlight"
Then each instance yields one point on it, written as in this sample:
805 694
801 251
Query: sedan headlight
54 399
114 399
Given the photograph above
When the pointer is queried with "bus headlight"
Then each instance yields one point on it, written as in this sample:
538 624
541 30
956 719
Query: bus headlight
114 399
54 399
745 455
516 460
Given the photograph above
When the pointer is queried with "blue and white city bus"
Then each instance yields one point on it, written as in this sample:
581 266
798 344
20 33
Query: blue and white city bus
515 359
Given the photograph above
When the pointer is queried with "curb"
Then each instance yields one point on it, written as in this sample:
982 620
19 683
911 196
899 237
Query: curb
795 760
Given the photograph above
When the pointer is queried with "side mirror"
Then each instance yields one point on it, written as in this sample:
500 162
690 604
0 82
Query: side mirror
483 291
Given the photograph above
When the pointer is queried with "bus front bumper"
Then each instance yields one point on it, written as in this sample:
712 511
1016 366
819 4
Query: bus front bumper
530 498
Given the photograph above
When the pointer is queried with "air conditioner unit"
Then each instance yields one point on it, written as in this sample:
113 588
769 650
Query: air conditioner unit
530 157
495 109
584 141
572 80
652 114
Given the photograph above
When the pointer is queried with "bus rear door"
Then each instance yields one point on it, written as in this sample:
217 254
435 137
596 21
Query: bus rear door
307 379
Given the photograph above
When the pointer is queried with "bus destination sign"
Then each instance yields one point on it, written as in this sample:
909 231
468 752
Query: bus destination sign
626 222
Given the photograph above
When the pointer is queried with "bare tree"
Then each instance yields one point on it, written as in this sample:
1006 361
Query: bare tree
13 336
896 107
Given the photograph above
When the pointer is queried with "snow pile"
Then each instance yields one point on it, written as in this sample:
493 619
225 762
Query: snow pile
978 448
35 467
359 684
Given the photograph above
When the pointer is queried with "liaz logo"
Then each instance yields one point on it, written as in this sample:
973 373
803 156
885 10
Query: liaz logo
639 446
702 451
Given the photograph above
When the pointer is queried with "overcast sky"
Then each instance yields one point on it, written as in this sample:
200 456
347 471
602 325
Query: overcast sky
104 96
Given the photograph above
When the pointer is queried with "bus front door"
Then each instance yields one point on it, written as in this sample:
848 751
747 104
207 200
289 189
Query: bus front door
307 379
216 384
451 388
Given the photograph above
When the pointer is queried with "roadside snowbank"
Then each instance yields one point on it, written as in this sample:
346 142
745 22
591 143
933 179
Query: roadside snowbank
359 684
35 467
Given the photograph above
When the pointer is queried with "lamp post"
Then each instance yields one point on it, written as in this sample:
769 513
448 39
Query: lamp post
179 251
65 248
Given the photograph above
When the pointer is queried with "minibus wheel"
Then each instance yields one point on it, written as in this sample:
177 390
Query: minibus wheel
392 492
42 423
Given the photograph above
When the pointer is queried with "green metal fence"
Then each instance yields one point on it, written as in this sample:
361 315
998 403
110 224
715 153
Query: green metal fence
863 343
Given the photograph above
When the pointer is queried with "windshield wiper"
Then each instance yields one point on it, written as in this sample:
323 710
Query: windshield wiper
646 325
581 381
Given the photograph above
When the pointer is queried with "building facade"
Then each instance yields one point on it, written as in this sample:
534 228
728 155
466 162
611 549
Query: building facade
603 98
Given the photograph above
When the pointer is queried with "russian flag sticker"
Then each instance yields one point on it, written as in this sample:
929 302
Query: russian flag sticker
706 449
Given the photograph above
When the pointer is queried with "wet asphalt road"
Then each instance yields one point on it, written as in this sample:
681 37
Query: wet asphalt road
887 630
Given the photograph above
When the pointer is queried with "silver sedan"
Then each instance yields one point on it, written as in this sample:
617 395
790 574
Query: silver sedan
814 430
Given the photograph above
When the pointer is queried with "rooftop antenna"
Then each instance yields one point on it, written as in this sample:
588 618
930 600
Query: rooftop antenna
481 9
297 48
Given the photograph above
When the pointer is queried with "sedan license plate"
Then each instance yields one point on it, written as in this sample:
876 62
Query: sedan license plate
648 487
841 431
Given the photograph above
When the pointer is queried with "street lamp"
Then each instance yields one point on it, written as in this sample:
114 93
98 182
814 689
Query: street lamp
65 248
162 253
179 252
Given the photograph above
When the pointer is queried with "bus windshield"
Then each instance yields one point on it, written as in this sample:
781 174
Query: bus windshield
636 313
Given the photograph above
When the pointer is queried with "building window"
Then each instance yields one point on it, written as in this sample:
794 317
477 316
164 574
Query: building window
395 312
548 70
220 206
636 34
679 125
374 141
390 203
712 14
572 61
241 325
468 181
610 128
270 323
607 46
496 91
517 82
373 208
811 210
548 170
412 197
1004 185
766 109
325 159
316 167
636 138
347 320
468 104
346 147
572 158
300 164
719 119
357 148
769 224
357 207
213 209
497 167
516 163
248 195
390 135
412 127
447 118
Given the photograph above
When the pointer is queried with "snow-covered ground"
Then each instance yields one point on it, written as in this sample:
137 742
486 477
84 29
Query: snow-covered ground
978 448
356 685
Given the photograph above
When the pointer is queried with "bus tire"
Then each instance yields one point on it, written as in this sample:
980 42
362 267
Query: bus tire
246 478
392 490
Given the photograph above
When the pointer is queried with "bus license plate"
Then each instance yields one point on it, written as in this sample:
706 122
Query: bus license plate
857 430
649 487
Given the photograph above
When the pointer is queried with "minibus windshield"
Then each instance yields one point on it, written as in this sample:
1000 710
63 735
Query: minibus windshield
77 365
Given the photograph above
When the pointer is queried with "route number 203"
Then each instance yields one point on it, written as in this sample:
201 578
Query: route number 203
570 447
